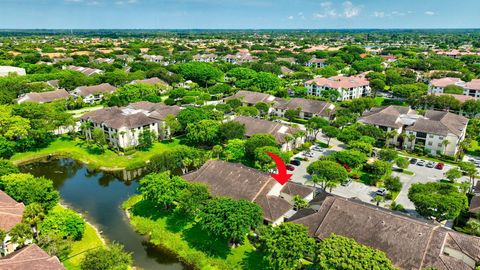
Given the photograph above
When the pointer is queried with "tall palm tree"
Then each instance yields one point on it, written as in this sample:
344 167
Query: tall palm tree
445 143
288 138
411 139
390 135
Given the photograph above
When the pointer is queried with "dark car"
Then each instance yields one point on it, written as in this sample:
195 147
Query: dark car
413 161
295 162
439 166
347 182
290 168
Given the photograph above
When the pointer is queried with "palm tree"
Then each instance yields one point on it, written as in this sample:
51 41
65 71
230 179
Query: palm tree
33 215
390 135
288 138
20 233
445 143
186 162
331 185
411 139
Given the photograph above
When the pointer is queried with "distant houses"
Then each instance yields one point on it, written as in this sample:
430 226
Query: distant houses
123 125
437 132
44 97
85 70
240 182
471 89
316 63
6 70
31 257
11 213
349 87
308 108
91 94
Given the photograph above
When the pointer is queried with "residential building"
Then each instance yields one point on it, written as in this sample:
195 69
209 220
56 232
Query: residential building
251 98
86 71
348 87
154 58
104 61
290 60
237 181
31 257
123 125
5 70
208 58
472 89
437 132
11 213
44 97
239 58
316 63
437 86
308 107
91 94
285 71
411 244
151 81
283 134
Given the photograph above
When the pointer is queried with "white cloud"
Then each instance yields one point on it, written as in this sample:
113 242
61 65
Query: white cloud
290 17
379 14
398 13
429 13
326 4
350 10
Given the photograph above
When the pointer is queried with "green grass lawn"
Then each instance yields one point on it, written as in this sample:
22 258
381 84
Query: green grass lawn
185 238
78 150
90 240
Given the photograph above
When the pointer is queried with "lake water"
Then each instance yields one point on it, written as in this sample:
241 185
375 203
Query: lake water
99 197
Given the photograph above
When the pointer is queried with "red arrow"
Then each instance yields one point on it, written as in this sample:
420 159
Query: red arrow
282 176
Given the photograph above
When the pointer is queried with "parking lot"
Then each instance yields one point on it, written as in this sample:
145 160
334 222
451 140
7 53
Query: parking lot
422 174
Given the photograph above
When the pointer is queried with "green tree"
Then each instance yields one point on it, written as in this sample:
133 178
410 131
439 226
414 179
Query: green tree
363 147
99 137
352 158
29 189
55 245
202 73
230 219
402 162
146 139
330 132
453 174
191 115
330 94
20 233
299 202
324 171
262 107
234 103
316 124
205 132
265 81
172 125
393 183
470 170
387 155
112 257
33 214
193 198
438 200
292 114
7 167
234 150
231 130
342 253
379 169
256 141
453 89
247 111
285 245
63 222
264 162
161 188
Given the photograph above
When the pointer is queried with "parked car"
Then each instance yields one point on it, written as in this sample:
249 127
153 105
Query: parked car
439 166
430 164
308 154
290 168
347 182
317 148
421 163
295 162
298 158
381 192
413 161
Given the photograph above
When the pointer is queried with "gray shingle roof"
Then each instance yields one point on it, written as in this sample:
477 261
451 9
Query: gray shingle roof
255 126
31 257
306 105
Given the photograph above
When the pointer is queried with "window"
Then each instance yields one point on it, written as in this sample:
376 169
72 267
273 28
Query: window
441 138
440 145
430 143
430 136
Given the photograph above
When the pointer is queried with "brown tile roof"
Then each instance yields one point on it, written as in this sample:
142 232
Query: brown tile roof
293 189
255 126
45 97
475 204
439 122
11 212
306 105
444 82
115 118
461 98
474 84
387 116
95 89
31 257
338 82
151 81
237 181
409 243
251 97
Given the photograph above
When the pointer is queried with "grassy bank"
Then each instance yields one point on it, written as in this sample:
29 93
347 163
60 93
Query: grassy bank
90 240
184 237
78 150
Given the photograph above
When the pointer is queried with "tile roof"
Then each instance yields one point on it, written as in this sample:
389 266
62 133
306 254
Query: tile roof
251 97
30 257
387 116
45 97
409 243
151 81
473 84
255 126
306 105
11 212
95 89
444 82
338 82
439 122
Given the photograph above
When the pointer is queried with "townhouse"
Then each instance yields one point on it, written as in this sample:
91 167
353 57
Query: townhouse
207 58
283 134
237 181
44 97
308 108
348 87
410 243
251 98
91 94
85 70
437 132
316 63
437 86
11 213
6 70
472 89
151 81
124 125
31 257
239 58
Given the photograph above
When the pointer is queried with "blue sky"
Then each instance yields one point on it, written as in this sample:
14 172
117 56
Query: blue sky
239 14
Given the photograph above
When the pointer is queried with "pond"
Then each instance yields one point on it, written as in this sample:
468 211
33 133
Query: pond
99 197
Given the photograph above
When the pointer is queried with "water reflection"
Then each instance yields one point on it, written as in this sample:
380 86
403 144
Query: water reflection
99 196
